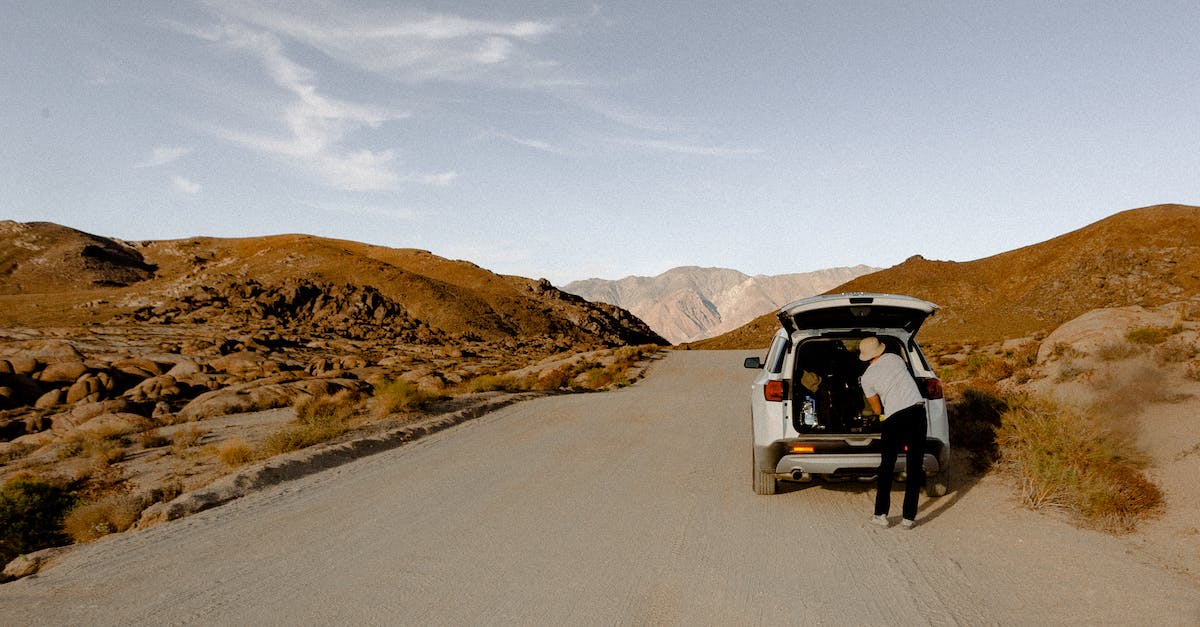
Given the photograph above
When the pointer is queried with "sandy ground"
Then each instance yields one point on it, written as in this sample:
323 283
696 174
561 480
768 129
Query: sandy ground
628 507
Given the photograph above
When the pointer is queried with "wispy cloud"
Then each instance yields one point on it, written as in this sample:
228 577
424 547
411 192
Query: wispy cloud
162 155
185 185
316 124
686 148
527 142
403 44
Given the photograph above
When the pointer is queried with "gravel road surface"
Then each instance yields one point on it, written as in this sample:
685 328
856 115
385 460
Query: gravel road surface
630 507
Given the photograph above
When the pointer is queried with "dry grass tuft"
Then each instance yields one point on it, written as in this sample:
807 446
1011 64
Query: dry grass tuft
1117 351
398 395
1150 335
494 383
110 514
318 419
1064 460
235 452
186 438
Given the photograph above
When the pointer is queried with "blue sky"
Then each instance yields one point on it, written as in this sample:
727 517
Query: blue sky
570 140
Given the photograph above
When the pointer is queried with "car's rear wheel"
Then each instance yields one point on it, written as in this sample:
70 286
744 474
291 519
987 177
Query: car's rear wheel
939 484
764 482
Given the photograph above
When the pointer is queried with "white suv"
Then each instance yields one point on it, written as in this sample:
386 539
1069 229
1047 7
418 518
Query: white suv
808 410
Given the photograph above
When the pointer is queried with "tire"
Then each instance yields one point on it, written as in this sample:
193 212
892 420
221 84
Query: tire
939 484
764 482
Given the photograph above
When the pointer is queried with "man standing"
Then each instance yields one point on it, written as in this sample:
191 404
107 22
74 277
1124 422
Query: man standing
893 394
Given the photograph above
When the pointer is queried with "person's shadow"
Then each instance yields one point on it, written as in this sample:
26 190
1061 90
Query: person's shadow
965 475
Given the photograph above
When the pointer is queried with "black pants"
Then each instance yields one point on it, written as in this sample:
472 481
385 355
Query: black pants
905 427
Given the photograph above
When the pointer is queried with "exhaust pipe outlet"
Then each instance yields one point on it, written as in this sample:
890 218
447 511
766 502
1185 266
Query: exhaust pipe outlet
800 475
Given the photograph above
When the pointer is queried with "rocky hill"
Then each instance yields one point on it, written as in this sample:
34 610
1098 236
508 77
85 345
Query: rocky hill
54 276
1148 257
690 303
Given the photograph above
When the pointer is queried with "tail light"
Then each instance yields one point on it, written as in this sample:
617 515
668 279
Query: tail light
775 390
931 388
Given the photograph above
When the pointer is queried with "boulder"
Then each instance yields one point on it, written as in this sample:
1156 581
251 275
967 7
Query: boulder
23 365
1102 327
84 412
257 396
154 389
62 372
245 364
53 351
31 563
139 367
90 388
111 424
185 368
50 399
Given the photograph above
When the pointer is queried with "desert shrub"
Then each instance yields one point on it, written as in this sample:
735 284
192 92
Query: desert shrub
399 395
1148 335
556 379
186 438
318 419
31 514
153 439
1062 349
235 452
322 409
110 514
101 449
493 383
974 418
16 451
1062 459
1117 351
1192 370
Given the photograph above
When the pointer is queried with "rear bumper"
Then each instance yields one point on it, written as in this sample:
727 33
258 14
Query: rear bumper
844 465
840 457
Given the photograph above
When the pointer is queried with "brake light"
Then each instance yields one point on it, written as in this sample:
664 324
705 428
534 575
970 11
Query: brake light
775 390
932 388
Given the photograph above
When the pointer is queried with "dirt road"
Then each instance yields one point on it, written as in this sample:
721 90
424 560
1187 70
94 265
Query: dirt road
629 507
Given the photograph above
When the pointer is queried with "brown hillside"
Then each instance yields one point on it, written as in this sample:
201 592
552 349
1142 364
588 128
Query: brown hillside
54 276
1147 257
41 257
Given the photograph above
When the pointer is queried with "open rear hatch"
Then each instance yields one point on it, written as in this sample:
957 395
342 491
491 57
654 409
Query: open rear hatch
856 311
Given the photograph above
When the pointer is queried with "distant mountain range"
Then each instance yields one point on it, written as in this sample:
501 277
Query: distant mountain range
1147 257
691 303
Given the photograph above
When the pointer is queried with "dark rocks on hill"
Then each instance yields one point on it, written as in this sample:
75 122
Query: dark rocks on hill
300 306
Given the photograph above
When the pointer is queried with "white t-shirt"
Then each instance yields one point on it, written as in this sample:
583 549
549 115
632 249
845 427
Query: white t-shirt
889 378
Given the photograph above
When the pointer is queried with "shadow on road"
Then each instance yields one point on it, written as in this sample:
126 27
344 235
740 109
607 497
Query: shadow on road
961 483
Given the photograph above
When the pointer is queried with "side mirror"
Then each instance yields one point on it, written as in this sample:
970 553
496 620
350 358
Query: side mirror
753 363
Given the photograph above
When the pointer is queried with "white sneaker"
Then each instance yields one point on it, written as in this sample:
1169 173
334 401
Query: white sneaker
881 520
908 524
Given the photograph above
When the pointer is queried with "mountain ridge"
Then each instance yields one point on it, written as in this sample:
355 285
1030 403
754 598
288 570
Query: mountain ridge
52 275
687 303
1147 256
